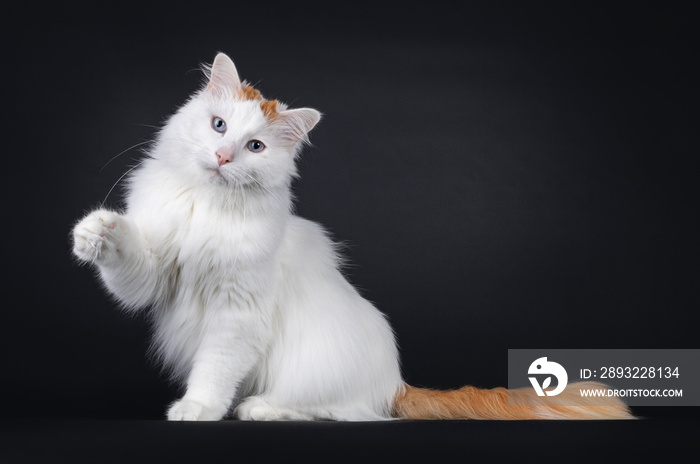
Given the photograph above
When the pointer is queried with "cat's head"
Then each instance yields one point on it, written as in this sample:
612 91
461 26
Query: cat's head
228 134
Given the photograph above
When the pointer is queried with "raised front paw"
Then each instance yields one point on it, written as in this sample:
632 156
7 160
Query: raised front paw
188 410
98 236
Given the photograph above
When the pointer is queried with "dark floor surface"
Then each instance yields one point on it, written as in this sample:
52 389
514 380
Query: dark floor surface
107 441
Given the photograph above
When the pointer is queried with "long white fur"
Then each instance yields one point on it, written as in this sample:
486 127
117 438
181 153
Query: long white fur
247 300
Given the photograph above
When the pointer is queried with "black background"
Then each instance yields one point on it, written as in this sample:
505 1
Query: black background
504 176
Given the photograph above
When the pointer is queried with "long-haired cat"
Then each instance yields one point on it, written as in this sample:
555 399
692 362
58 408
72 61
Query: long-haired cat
248 304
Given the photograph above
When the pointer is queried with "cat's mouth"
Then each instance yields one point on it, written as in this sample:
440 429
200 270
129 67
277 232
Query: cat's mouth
214 174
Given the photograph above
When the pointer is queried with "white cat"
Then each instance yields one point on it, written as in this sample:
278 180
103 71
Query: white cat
247 301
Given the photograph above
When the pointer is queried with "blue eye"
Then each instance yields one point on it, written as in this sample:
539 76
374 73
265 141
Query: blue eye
256 146
218 124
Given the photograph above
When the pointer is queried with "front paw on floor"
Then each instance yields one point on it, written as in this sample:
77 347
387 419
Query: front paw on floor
188 410
256 409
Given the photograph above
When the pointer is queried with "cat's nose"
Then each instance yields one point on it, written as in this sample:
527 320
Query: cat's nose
224 156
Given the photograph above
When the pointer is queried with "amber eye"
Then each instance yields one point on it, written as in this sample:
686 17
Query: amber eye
218 124
256 146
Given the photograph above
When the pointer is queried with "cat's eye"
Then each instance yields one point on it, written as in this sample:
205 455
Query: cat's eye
256 146
218 124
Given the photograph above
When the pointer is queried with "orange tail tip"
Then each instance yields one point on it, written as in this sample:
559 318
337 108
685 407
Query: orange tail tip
474 403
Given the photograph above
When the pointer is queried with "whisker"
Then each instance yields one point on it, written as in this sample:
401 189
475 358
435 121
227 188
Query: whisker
121 153
182 139
119 180
236 191
259 184
149 126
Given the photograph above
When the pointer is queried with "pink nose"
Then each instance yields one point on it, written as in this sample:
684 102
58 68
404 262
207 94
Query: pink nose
224 156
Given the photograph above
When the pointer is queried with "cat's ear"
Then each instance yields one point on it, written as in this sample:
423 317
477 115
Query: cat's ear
224 78
296 123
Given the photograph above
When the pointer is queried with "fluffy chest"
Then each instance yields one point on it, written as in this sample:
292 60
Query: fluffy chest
208 236
227 257
211 237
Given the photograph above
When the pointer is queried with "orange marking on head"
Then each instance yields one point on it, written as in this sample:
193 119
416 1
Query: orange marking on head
249 92
269 109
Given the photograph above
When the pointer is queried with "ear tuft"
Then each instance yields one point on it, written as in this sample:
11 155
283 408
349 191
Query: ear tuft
297 123
224 78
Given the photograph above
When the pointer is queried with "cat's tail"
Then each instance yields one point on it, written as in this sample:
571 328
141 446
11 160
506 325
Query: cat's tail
502 404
